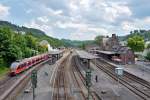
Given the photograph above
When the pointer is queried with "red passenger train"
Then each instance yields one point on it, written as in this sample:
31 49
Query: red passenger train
20 66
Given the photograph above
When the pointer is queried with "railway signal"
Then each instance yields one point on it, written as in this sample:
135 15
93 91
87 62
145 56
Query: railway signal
34 78
88 81
34 81
88 78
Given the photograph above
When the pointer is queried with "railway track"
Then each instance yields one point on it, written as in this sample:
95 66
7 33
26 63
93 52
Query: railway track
74 69
61 82
133 77
77 63
10 86
7 83
61 85
135 84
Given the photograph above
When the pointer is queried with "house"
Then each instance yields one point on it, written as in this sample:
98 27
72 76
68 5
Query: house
110 42
125 54
121 53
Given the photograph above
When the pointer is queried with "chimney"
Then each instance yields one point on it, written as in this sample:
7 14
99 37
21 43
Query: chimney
113 36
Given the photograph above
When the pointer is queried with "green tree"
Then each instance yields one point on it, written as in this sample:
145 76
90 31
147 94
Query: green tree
2 62
27 52
98 39
15 45
136 43
82 46
20 41
6 40
147 56
31 41
9 51
13 53
148 46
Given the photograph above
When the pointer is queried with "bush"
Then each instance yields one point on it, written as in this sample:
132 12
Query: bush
2 63
147 56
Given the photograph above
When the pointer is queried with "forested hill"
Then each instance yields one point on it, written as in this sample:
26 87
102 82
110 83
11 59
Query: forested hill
22 42
21 29
143 33
32 31
76 43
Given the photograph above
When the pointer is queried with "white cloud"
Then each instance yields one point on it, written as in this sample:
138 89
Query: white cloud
43 19
29 11
73 5
115 11
147 20
53 12
127 26
71 25
100 9
82 36
58 12
85 4
4 11
102 31
34 24
81 27
84 19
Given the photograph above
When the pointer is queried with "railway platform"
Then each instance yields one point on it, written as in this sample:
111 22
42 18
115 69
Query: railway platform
138 69
109 89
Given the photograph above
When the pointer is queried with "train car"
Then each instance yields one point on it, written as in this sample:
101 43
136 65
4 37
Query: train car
20 66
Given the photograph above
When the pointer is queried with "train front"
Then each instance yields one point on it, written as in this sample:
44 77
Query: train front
13 68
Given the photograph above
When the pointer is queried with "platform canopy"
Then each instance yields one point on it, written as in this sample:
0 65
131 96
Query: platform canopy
85 55
105 52
55 52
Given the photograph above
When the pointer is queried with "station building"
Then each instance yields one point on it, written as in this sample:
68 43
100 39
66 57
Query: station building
111 49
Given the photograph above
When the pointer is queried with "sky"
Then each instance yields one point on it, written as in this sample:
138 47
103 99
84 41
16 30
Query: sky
78 19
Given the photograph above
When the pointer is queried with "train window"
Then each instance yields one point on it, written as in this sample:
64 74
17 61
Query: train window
19 67
24 65
30 63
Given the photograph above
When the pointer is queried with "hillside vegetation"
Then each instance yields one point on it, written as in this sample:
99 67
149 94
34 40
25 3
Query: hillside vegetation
16 46
143 33
21 42
34 32
76 43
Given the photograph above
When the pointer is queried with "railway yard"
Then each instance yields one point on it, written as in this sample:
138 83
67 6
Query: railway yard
75 50
77 75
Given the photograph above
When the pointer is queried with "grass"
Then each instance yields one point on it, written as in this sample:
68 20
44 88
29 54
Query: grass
3 72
